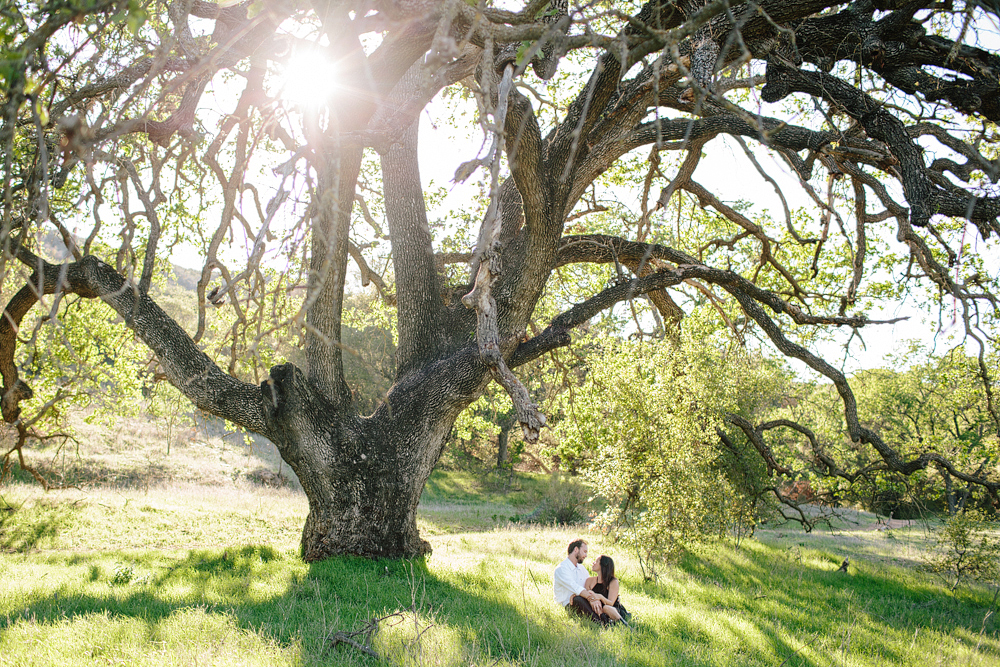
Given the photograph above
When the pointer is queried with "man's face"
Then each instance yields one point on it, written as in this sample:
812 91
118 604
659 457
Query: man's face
579 554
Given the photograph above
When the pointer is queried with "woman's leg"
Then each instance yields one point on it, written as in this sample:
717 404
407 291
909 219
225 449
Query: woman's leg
612 613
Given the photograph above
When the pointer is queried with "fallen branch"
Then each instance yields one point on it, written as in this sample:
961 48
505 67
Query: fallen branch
345 638
369 630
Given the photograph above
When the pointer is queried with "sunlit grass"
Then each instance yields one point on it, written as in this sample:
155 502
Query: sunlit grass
179 516
211 576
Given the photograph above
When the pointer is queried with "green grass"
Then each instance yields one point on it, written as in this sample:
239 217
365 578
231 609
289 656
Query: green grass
455 501
210 576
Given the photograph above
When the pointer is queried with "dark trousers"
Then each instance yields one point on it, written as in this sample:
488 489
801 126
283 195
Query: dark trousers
580 606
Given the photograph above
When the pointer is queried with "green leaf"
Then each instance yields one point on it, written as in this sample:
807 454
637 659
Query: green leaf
255 8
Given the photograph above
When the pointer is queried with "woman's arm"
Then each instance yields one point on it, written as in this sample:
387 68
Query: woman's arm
591 582
612 592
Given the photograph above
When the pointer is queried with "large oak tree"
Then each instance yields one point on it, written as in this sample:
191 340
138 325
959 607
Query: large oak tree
884 111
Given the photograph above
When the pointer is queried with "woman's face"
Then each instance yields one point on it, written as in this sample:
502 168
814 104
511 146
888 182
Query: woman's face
596 566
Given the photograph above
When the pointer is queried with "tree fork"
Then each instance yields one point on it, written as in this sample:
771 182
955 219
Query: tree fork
362 477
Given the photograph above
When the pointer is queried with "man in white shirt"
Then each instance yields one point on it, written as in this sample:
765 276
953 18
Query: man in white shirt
568 583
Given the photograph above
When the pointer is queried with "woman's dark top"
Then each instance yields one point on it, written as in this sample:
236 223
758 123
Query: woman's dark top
602 589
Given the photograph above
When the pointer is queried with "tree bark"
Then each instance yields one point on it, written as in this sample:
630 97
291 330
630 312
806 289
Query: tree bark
363 476
506 423
418 288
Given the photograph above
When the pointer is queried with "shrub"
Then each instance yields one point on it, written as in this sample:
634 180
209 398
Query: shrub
566 502
966 549
124 574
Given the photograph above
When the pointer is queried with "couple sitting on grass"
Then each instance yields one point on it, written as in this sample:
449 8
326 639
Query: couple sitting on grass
594 597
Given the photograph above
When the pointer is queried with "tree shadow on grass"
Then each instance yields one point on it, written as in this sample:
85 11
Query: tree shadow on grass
300 607
796 606
18 535
732 606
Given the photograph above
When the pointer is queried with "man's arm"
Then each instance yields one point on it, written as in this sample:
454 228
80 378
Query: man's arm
565 579
590 596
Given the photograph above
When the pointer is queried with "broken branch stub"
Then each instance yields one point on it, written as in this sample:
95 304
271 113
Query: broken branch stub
481 299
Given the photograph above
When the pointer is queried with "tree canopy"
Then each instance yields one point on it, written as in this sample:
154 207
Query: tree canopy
132 128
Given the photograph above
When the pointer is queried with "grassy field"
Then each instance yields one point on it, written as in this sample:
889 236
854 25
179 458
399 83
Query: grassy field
198 574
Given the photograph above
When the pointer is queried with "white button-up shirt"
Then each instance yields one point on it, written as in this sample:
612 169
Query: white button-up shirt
568 580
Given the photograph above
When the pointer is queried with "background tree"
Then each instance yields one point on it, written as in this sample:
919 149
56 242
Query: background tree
923 401
158 124
647 422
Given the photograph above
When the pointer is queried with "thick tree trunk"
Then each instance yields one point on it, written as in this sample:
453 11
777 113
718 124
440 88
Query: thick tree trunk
367 509
363 476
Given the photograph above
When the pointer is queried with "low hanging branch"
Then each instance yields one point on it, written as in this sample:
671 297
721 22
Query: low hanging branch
185 365
18 448
481 299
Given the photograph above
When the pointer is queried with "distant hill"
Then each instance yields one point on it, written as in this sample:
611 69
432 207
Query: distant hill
54 249
186 278
369 364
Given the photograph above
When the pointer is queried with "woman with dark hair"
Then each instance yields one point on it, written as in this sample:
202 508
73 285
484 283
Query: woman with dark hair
605 586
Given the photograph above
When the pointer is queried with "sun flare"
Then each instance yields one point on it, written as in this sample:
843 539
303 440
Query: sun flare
309 78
